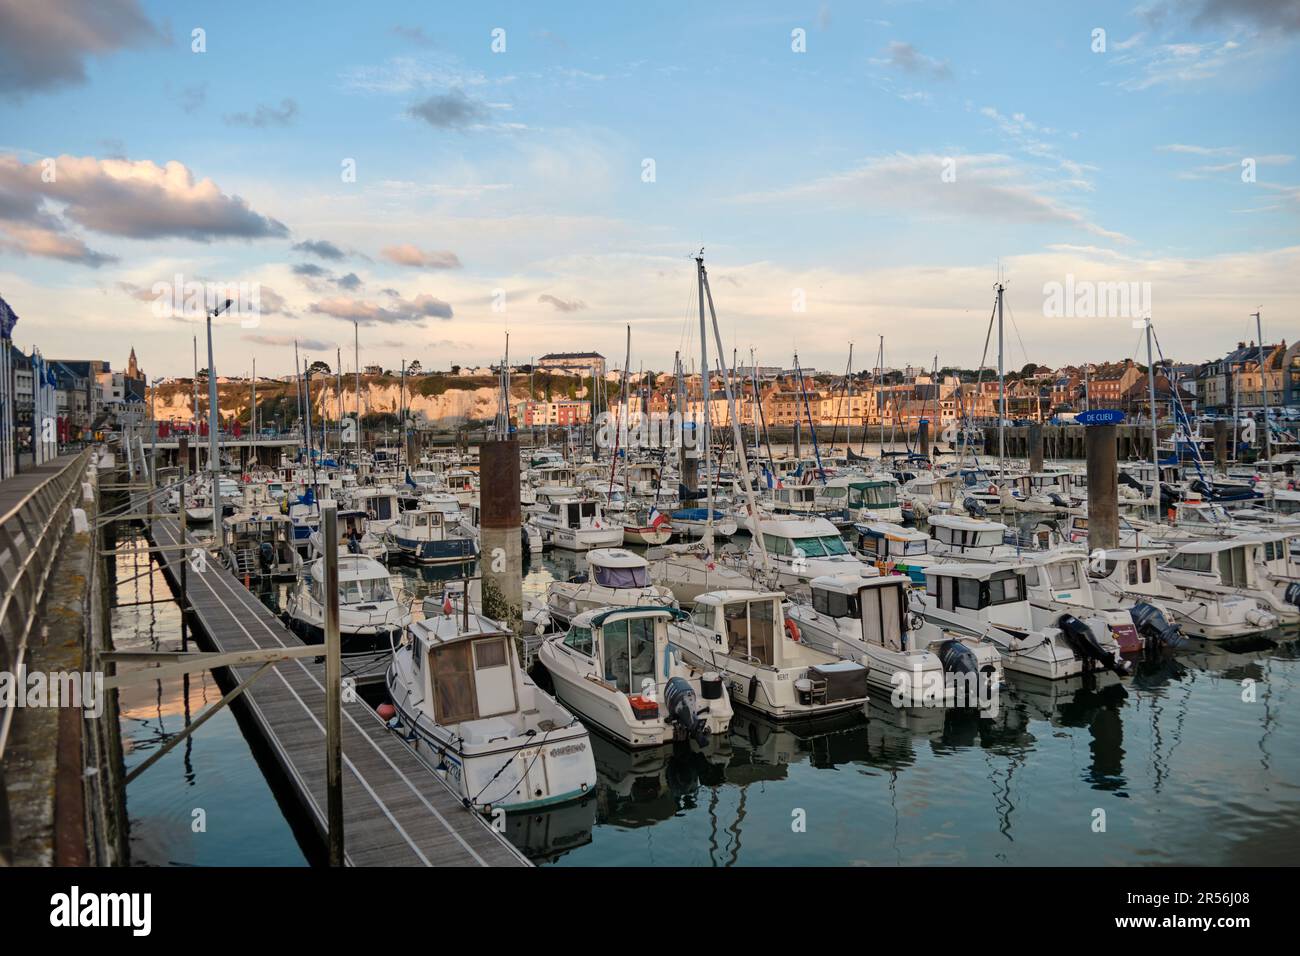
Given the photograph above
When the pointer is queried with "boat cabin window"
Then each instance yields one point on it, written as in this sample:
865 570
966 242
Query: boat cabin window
912 546
629 653
1005 587
579 638
620 577
1031 576
834 491
1199 563
1232 567
750 631
453 683
882 616
1064 574
365 591
835 604
702 616
820 547
870 544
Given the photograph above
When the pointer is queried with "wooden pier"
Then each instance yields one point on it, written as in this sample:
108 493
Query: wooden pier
396 811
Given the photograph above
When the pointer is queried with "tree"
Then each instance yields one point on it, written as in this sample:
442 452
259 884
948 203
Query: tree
318 368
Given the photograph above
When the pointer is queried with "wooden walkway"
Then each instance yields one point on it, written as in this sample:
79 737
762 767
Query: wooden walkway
396 812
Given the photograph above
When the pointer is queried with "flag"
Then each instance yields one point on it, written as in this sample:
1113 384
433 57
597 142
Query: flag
7 320
656 517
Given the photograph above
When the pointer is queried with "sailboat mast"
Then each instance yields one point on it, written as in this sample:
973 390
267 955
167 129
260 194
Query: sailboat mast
1155 426
356 360
704 397
1263 391
1002 392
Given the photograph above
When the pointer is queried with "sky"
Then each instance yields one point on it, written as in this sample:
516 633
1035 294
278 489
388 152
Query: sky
444 174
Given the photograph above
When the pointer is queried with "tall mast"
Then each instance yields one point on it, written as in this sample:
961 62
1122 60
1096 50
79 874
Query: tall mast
252 424
735 428
1002 393
338 383
1263 390
1155 427
214 453
704 396
297 382
356 360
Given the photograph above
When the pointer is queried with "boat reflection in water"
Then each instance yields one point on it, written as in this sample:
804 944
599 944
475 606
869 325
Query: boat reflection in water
544 836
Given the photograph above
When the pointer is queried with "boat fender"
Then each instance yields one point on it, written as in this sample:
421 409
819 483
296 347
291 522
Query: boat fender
792 630
386 711
753 687
1085 645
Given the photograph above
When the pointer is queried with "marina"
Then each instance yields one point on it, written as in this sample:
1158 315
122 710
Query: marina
538 446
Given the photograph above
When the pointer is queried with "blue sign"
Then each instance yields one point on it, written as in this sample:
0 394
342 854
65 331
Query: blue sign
1099 416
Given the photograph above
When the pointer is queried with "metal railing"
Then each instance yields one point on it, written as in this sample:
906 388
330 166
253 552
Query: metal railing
31 532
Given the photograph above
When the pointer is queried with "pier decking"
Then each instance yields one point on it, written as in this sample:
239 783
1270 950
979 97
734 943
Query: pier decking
396 811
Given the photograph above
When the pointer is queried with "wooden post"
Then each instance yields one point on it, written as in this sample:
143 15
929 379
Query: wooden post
185 560
333 683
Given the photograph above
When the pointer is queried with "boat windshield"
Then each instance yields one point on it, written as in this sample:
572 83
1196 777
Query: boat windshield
365 591
820 547
620 577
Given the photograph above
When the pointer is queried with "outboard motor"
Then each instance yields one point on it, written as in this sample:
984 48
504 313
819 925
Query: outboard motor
1293 593
957 658
1058 499
973 507
1152 624
683 709
1085 646
266 554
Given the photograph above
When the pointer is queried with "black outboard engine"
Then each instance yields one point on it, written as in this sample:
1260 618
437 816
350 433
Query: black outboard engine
1293 594
957 658
1058 499
266 554
1151 624
973 507
1079 636
683 709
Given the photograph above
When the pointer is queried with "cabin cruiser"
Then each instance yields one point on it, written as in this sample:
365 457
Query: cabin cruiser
960 538
893 549
381 505
496 738
576 524
1231 567
800 549
990 600
744 636
617 669
369 614
920 664
615 578
1058 582
259 546
928 494
874 498
1278 562
430 534
1127 575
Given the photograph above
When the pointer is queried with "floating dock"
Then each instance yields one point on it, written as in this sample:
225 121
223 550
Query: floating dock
396 811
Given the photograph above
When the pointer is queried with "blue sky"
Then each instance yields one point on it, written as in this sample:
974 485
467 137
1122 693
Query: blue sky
522 171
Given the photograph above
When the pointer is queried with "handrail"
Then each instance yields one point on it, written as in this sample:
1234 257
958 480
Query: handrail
30 534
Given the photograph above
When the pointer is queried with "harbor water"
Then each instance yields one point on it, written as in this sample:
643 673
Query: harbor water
1194 760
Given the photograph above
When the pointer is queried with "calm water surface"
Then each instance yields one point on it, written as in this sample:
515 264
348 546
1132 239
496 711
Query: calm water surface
1168 766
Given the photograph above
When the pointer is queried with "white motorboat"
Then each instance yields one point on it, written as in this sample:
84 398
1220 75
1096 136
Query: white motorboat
615 578
918 663
800 549
576 524
991 601
430 533
1132 575
1231 567
689 570
480 722
744 636
618 670
369 613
